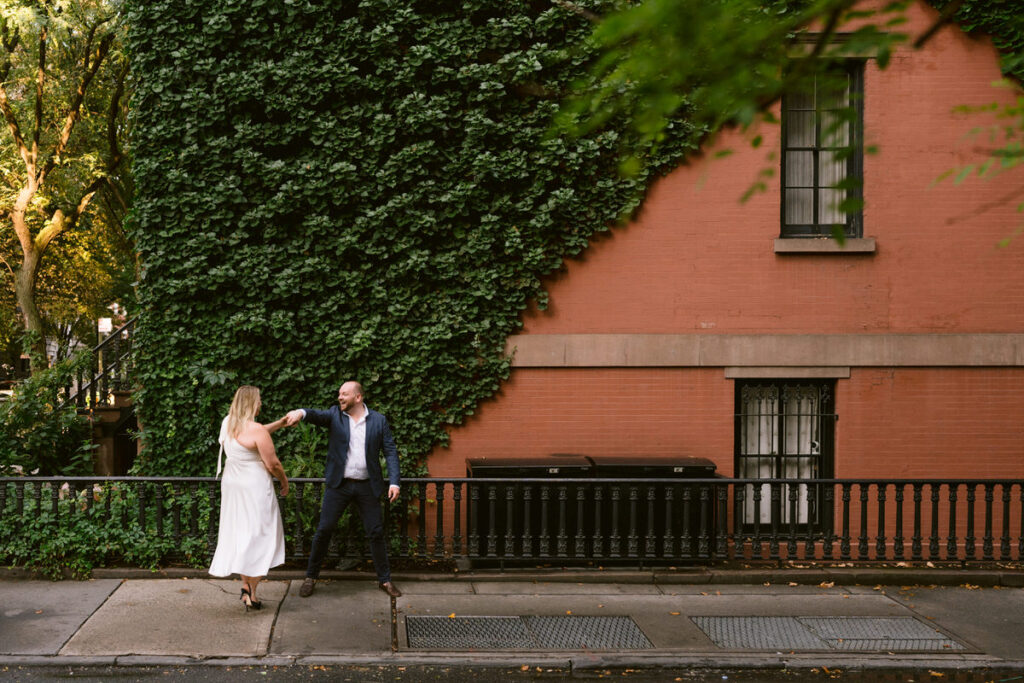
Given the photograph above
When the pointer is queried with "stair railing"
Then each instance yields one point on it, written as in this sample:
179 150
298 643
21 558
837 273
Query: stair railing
109 372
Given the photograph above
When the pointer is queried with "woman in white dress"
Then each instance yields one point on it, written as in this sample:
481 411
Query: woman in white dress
251 536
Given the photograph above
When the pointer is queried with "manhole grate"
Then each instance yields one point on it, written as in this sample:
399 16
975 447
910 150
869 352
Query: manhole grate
525 633
857 634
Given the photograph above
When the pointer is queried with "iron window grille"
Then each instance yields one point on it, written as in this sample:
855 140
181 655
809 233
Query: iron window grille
822 155
785 430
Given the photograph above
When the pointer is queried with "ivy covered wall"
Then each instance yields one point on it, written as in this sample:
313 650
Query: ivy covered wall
332 191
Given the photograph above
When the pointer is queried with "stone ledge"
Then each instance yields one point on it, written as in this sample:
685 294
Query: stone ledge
736 351
824 245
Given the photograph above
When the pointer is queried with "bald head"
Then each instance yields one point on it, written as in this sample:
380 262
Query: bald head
350 397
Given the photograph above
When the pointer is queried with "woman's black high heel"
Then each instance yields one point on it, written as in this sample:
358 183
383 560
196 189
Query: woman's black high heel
247 600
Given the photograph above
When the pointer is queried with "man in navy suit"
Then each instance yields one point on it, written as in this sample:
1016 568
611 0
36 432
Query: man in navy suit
356 438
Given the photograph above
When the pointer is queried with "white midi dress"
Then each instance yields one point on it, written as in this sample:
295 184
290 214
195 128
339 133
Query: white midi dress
250 539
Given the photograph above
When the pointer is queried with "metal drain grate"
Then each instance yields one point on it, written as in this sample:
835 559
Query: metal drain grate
525 633
856 634
879 633
758 633
592 633
467 632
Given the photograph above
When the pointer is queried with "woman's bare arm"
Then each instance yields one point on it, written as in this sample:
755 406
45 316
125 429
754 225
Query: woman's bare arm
275 425
265 446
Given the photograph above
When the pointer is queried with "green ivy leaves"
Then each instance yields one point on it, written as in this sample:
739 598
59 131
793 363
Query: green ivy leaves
353 192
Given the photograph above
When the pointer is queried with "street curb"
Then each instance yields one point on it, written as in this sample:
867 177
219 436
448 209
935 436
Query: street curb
717 661
839 576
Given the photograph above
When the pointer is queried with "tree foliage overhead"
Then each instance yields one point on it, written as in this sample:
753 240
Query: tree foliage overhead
62 99
332 191
726 62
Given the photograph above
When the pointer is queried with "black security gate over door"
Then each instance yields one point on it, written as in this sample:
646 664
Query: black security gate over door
784 430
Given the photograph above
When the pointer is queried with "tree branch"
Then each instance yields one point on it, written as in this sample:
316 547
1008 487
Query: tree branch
76 105
12 123
112 113
825 36
9 38
40 76
944 18
60 224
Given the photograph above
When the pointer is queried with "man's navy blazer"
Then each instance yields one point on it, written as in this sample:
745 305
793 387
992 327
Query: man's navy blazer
378 440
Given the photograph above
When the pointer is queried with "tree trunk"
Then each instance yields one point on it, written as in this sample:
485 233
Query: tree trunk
25 292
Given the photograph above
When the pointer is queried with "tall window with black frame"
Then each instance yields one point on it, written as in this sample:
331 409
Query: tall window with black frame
822 155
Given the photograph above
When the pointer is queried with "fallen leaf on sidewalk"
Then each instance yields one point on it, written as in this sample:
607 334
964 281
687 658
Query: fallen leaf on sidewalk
675 614
793 583
936 674
452 615
39 611
826 584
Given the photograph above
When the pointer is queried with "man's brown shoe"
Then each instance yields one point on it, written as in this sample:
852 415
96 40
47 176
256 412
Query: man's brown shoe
306 589
390 589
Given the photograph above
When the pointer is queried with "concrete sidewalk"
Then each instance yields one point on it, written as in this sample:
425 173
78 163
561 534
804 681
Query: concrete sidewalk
636 620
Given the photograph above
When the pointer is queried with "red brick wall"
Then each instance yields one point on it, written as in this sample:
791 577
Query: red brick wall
696 260
589 411
893 423
919 423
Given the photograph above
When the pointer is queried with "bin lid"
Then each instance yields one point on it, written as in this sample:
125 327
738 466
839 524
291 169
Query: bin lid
552 465
652 460
674 465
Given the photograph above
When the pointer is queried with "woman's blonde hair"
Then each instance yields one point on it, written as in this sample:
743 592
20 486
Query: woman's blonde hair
244 407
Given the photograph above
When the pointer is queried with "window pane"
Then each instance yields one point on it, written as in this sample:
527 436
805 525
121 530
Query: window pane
828 203
800 100
835 129
833 90
800 129
799 169
799 207
831 169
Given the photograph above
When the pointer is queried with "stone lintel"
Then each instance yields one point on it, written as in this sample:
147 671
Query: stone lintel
785 372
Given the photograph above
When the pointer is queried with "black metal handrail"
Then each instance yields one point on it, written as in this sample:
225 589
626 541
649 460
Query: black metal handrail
109 372
636 522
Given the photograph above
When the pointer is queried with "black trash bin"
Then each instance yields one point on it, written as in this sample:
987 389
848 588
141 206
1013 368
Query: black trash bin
513 520
674 521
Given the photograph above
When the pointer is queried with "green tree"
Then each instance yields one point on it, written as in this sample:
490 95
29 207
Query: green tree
726 62
63 79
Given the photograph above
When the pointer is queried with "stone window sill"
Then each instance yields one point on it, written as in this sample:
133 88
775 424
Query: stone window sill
824 245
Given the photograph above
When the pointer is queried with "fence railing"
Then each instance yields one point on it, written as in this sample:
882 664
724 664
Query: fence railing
110 371
629 522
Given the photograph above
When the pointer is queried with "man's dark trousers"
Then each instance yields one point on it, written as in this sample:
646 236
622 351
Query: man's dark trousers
334 504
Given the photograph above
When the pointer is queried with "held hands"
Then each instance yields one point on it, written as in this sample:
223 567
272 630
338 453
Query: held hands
292 418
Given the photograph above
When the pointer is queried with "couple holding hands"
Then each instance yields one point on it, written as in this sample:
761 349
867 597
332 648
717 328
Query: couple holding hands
251 536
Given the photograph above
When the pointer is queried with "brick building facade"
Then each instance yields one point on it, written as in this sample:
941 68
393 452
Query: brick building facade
697 330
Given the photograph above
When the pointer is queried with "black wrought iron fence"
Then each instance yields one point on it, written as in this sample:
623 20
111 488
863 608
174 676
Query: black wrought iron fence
503 522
